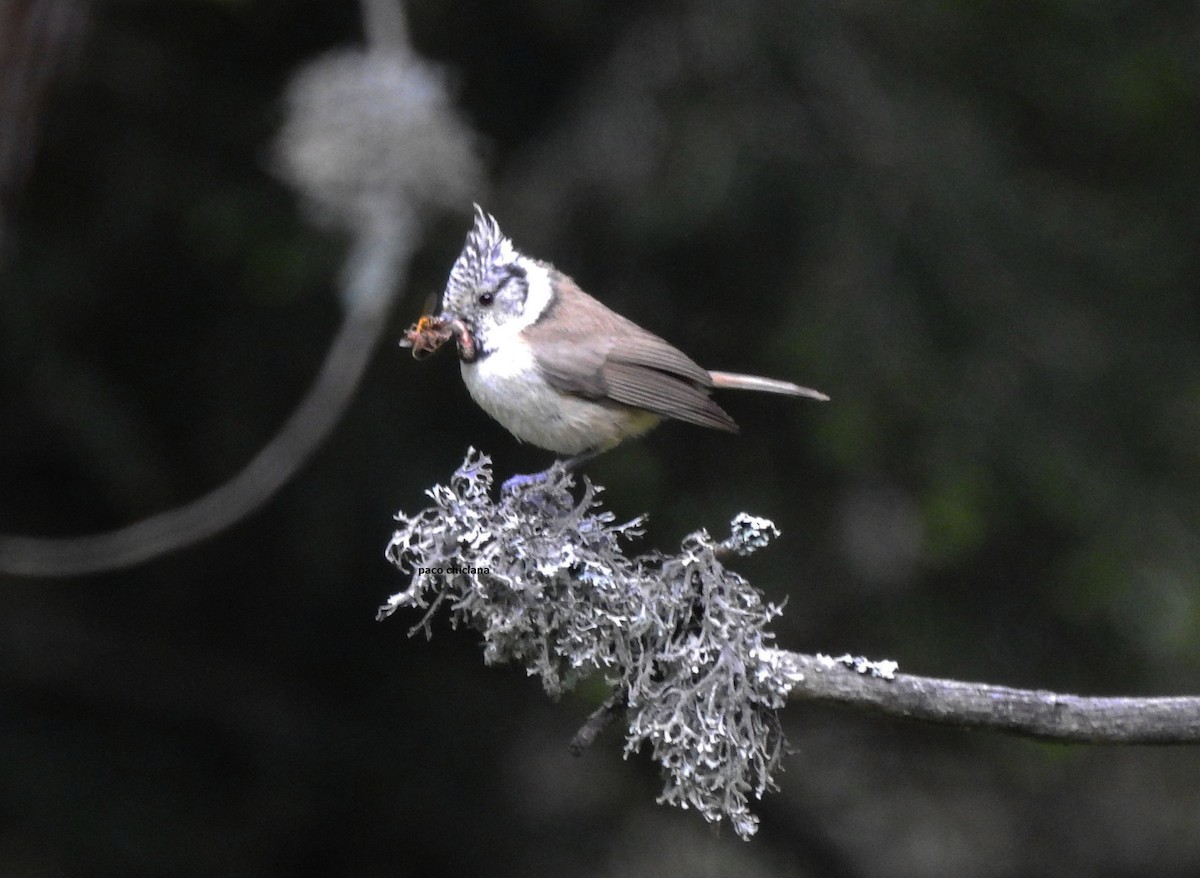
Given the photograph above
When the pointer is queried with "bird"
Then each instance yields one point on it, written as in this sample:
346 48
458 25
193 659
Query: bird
559 369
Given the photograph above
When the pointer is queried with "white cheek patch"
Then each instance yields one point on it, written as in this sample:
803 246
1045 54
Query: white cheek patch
539 292
537 298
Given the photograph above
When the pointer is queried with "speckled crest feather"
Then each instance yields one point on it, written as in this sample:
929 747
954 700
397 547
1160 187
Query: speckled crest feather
485 250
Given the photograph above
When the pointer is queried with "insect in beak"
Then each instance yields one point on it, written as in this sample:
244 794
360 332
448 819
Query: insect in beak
429 333
426 335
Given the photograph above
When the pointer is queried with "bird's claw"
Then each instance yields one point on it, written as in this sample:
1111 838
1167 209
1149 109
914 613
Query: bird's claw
513 483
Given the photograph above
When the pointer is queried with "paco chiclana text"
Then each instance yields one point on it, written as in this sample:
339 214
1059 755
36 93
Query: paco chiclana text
452 570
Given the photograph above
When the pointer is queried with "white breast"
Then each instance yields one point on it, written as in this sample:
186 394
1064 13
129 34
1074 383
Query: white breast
507 385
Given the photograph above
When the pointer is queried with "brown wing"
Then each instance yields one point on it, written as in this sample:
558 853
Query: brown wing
610 357
664 394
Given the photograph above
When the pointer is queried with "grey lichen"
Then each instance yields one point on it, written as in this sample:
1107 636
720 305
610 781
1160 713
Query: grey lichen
546 580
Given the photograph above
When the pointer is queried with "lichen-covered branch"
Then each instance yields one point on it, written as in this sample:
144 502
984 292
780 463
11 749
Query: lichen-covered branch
1029 712
545 578
682 641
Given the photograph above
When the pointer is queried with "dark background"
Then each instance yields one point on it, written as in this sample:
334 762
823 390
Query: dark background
974 224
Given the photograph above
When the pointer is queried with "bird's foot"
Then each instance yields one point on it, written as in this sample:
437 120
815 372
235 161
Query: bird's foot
538 493
526 480
570 464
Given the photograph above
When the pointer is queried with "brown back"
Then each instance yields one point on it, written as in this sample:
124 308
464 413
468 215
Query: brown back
604 356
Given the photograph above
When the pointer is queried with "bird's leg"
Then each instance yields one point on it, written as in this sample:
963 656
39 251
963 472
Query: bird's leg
574 462
523 481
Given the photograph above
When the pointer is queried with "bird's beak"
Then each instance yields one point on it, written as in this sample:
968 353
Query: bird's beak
463 336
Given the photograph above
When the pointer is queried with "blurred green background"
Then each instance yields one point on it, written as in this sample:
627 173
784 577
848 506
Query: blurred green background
976 225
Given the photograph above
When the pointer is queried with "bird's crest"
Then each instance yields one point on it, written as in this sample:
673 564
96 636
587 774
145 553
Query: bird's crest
485 250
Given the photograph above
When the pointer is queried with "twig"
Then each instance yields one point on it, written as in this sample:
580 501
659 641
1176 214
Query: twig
602 717
266 473
1032 713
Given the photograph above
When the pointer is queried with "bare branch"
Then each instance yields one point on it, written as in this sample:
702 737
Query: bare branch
1032 713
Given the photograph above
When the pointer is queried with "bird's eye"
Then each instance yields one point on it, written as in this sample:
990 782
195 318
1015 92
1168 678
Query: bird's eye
486 299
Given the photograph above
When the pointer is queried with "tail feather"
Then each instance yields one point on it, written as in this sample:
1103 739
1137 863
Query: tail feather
734 381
